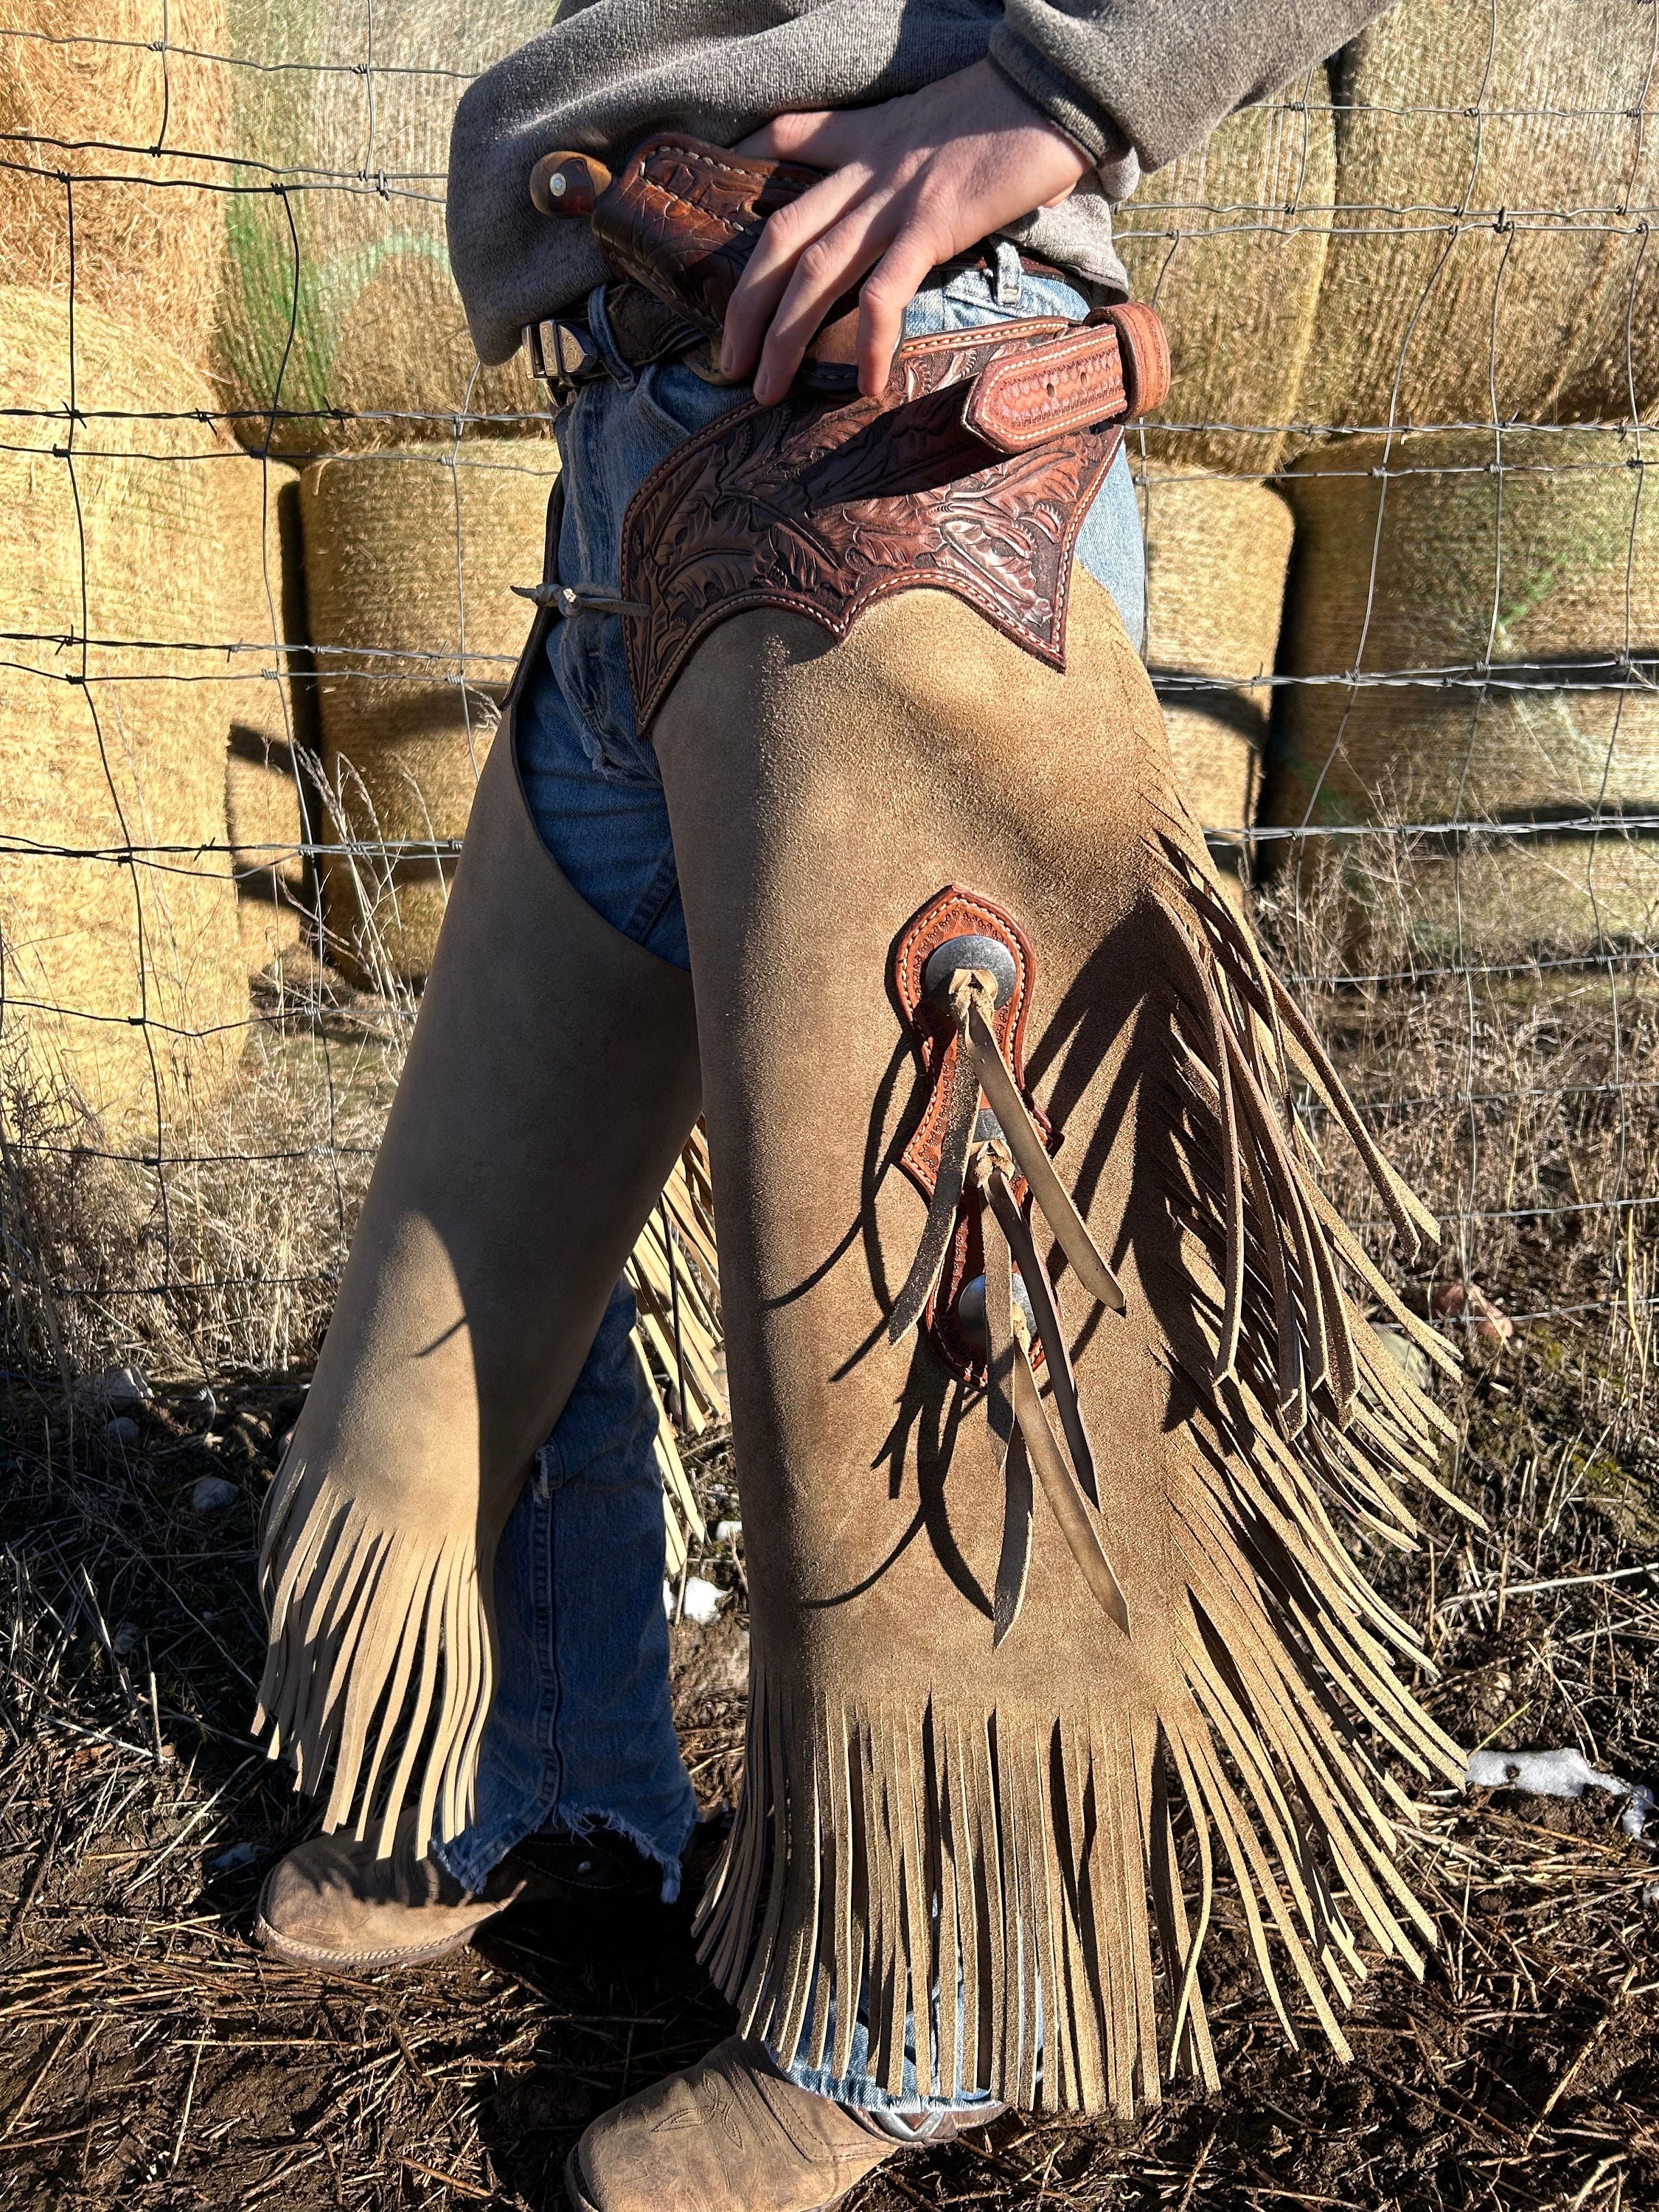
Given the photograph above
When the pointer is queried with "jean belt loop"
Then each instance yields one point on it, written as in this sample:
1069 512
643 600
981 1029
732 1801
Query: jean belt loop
1009 273
598 324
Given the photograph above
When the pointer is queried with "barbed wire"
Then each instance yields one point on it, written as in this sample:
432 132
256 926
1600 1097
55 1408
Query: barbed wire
1506 1065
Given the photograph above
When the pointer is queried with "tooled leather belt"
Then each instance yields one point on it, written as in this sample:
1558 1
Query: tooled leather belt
971 472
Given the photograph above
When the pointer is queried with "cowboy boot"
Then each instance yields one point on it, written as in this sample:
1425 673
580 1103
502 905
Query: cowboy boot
731 2134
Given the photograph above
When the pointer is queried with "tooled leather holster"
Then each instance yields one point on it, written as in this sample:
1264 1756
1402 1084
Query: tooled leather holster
972 472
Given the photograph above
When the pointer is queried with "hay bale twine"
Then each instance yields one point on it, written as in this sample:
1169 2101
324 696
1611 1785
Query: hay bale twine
376 329
1496 166
1216 554
1228 244
123 983
272 761
408 560
83 78
1428 561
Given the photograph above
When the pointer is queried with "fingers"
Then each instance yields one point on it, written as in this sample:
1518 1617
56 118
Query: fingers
787 236
819 139
887 291
828 268
912 181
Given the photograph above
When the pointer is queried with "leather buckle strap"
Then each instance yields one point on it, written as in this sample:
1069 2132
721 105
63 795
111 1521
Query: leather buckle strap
563 357
1109 369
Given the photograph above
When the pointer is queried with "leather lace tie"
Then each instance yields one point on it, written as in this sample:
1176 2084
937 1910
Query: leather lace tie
982 1169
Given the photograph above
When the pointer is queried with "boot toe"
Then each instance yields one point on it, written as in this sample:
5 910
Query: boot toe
728 2134
332 1903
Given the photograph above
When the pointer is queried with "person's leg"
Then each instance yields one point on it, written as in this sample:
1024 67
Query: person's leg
1109 545
581 1733
579 1741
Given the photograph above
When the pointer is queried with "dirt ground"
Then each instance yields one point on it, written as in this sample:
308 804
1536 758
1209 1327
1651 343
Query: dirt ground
150 2059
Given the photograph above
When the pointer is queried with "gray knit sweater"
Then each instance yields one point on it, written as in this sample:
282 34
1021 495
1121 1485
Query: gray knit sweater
1134 81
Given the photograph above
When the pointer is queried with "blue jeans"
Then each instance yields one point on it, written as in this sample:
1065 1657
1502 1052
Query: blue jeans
581 1734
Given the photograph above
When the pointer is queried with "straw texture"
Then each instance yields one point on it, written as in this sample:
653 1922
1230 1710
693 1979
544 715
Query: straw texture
1490 259
124 982
1228 244
1216 557
147 243
408 558
352 115
1548 569
271 763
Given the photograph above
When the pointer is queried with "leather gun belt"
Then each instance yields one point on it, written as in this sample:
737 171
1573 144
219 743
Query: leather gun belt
972 472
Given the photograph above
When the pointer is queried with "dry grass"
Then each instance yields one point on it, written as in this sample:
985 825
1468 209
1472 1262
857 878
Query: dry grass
152 2058
211 1247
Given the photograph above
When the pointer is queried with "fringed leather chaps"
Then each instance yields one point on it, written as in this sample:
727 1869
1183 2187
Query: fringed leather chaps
551 1081
937 1795
1055 1404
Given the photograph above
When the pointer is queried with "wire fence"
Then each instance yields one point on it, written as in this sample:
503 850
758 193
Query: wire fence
1403 590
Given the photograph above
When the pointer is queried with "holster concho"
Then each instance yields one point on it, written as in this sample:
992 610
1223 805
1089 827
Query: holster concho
954 914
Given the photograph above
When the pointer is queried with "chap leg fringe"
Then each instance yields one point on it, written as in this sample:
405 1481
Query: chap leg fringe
378 1661
1061 1873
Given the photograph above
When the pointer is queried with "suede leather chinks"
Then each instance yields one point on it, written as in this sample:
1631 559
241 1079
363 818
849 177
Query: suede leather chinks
550 1083
1054 1398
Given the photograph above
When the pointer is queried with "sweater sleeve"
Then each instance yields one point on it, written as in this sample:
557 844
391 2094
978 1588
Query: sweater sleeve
1155 77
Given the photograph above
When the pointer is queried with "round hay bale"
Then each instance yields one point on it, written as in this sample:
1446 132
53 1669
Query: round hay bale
408 560
83 79
123 983
1496 172
1228 244
1497 599
360 136
272 760
1216 554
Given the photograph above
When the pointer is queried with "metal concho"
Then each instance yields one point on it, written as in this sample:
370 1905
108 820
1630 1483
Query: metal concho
976 952
970 1310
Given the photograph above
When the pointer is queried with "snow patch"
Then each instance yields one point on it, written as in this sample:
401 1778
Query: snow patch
703 1601
1558 1774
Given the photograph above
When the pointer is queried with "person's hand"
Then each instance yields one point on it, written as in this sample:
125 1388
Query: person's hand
912 183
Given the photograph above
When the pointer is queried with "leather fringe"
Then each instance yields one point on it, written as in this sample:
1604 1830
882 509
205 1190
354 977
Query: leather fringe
379 1655
378 1663
1061 1874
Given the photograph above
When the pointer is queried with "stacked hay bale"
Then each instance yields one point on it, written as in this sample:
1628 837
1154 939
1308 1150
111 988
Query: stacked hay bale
341 326
271 759
83 80
409 558
1473 636
124 982
1490 259
1217 550
1228 244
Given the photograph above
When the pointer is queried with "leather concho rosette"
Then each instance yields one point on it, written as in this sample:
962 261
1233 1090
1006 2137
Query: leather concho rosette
957 914
823 506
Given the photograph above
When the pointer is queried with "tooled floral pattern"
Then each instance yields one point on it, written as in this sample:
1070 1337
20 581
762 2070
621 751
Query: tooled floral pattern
682 219
823 508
